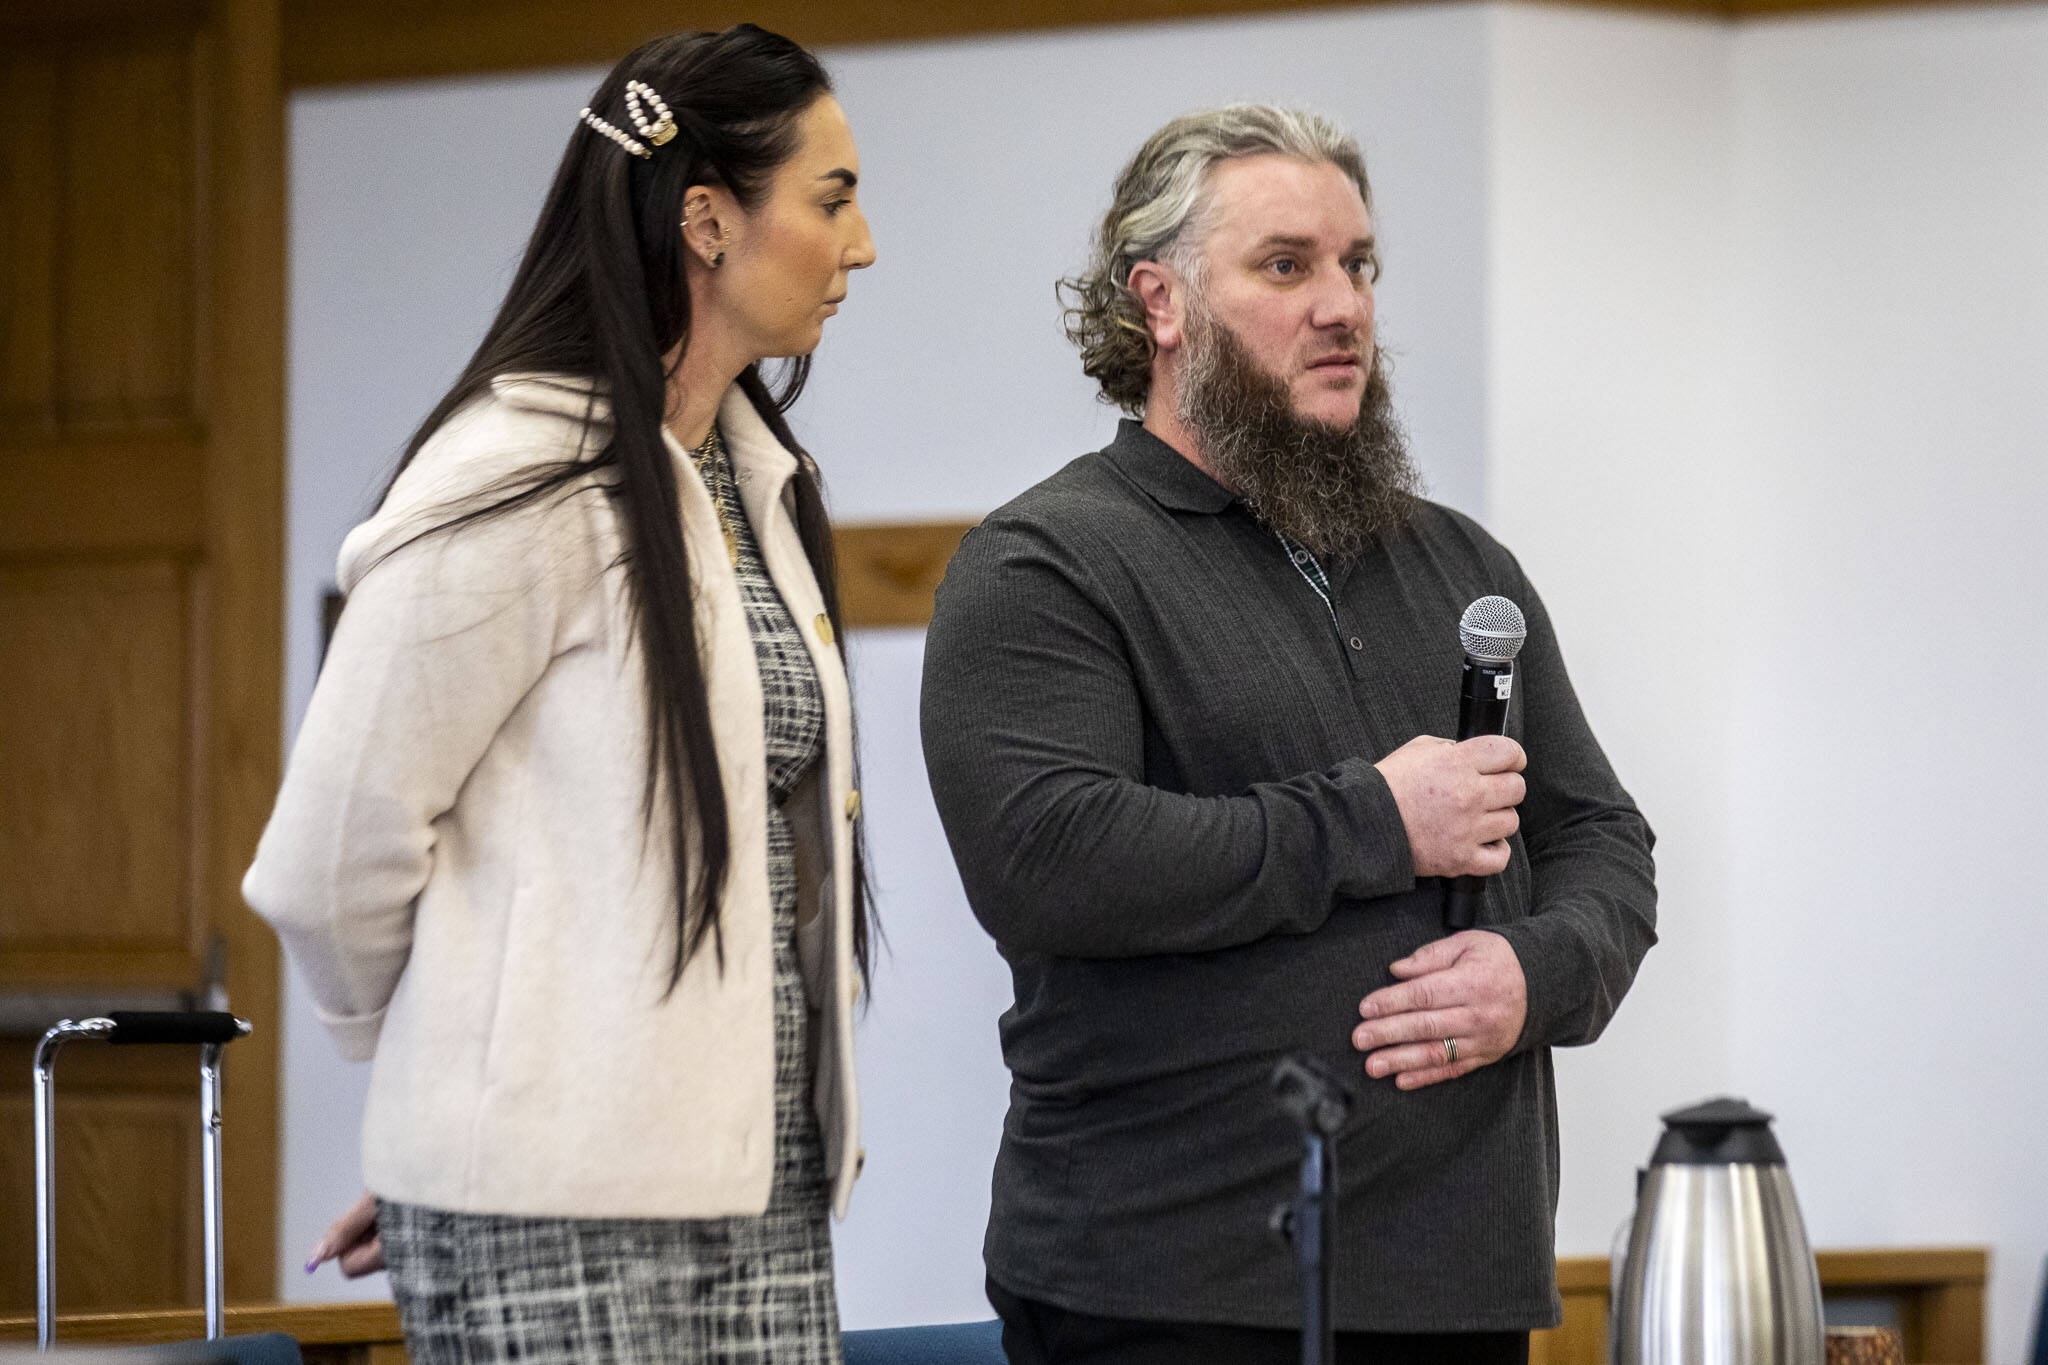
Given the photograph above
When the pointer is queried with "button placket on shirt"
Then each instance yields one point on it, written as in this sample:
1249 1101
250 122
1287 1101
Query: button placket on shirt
1350 641
1359 666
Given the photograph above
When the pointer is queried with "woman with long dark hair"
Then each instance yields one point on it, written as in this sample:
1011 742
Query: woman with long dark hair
567 843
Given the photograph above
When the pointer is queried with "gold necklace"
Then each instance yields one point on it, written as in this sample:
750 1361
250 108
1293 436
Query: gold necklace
707 459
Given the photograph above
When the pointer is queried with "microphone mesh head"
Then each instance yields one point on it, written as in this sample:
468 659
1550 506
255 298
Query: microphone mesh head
1492 630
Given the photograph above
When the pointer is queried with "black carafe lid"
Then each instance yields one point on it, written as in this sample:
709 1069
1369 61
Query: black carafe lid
1718 1132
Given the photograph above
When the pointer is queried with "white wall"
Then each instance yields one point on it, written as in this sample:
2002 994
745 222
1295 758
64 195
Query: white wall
1727 331
1767 304
1886 914
1611 250
947 387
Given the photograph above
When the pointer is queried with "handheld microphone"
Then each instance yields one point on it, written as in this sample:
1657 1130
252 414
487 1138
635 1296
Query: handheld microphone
1492 631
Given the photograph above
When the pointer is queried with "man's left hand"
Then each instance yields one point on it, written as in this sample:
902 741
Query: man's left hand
1463 994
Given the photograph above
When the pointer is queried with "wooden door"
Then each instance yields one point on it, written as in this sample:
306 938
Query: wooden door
141 514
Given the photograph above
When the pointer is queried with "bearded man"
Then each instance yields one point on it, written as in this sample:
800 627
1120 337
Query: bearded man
1183 714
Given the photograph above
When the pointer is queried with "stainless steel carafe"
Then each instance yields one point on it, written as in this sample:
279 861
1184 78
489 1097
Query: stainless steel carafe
1718 1270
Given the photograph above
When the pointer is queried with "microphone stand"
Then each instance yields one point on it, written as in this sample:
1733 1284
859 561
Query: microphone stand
1318 1103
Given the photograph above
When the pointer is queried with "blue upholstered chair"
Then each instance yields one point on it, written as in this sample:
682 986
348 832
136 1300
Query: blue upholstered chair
950 1343
2040 1355
261 1348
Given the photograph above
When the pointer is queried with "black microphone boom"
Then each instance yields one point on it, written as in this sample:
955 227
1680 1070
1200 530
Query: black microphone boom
1492 631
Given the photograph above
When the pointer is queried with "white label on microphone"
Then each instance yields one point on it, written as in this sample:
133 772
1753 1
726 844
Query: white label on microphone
1502 686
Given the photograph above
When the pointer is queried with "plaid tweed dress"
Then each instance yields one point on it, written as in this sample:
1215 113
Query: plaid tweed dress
484 1288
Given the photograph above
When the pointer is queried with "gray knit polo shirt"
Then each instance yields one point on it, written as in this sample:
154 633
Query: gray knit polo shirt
1152 745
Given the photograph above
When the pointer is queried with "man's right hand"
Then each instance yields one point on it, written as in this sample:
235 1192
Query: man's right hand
1458 801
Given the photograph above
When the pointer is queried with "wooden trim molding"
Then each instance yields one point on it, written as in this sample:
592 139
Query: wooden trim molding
364 1333
46 20
394 40
372 40
381 40
887 573
1938 1291
368 1333
368 1322
242 622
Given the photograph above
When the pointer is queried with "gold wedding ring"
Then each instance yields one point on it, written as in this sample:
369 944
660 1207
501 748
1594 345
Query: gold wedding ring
1450 1051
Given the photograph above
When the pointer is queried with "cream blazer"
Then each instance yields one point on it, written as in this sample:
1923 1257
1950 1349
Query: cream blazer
460 866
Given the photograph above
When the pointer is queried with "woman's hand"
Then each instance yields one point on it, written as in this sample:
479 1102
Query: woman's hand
352 1242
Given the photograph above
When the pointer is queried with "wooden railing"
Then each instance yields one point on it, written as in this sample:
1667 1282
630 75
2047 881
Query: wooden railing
328 1333
1938 1294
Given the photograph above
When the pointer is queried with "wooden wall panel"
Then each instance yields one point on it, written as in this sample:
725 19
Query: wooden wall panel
29 104
106 492
141 570
95 760
24 23
128 185
127 1187
99 164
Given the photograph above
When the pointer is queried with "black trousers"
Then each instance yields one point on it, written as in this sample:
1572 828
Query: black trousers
1037 1333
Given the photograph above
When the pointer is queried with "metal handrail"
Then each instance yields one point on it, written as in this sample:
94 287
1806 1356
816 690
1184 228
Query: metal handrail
212 1030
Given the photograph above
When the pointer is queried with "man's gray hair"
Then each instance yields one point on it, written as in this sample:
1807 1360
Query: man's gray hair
1162 212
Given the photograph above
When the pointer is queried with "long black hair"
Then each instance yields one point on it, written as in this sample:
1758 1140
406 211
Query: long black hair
600 295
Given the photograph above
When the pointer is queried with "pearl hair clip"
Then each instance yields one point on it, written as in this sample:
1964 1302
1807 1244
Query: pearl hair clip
659 131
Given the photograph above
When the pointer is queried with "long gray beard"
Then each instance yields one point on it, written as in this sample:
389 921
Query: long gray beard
1332 489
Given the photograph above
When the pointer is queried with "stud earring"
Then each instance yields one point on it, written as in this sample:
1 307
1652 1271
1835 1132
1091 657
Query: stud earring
718 260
